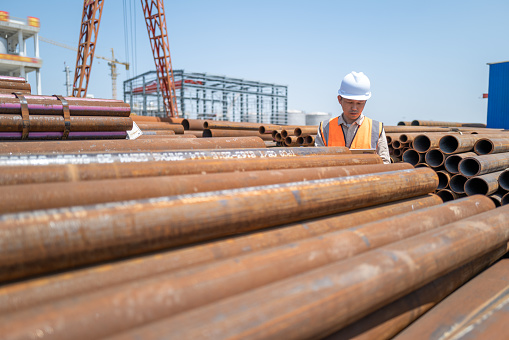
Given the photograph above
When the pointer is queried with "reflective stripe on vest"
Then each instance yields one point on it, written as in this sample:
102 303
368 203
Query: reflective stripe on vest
366 136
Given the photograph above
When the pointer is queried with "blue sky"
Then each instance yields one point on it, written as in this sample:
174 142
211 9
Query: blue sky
426 60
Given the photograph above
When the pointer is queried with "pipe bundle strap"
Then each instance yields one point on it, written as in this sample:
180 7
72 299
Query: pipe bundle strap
67 115
24 114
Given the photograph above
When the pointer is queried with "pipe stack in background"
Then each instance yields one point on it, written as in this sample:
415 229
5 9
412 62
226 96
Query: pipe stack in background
8 85
33 117
468 160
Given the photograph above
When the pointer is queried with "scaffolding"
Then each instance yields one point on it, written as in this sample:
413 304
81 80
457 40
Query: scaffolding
204 96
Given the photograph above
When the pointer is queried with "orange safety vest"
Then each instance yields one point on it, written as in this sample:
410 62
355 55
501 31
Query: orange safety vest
366 136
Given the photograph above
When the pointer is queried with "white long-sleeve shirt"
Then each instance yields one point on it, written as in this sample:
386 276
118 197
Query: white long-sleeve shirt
349 130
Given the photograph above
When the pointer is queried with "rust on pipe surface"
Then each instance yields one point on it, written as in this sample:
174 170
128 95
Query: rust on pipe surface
11 175
193 124
285 133
50 105
484 185
443 179
179 155
148 225
409 137
27 294
62 147
291 141
319 302
233 133
472 311
503 180
43 123
303 130
147 126
462 143
486 146
218 124
404 123
426 142
149 136
67 194
15 85
449 124
413 129
447 195
457 183
158 298
173 120
388 321
196 133
413 157
480 165
497 197
452 161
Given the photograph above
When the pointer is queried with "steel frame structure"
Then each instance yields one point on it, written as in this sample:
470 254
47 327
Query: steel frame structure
90 21
204 96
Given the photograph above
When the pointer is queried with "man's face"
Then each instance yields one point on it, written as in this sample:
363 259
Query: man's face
352 109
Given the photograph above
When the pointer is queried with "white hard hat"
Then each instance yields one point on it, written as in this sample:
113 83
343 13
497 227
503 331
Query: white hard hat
355 86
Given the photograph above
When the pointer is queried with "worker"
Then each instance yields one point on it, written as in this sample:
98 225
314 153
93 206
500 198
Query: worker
352 129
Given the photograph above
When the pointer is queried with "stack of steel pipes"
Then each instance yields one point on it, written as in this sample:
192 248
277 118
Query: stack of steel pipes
160 128
467 162
443 124
9 85
33 117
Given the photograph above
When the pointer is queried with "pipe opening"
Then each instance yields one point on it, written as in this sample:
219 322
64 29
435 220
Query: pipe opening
448 144
451 163
443 180
403 138
483 147
411 156
185 124
457 183
446 195
476 186
503 180
469 167
396 144
505 199
422 143
415 123
434 158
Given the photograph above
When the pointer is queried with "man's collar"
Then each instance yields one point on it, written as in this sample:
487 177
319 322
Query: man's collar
358 120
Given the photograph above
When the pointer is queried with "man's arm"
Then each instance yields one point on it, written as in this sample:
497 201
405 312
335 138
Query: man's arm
318 138
382 149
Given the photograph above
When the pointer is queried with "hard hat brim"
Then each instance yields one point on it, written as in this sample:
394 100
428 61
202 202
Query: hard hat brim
355 96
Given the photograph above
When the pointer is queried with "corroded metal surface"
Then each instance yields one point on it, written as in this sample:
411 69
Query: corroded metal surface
480 165
62 147
483 185
146 225
147 126
168 295
233 133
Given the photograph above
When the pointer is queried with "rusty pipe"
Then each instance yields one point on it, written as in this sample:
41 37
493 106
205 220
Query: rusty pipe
503 180
179 155
240 274
404 123
449 124
147 126
413 157
457 183
104 146
11 78
291 141
321 301
285 133
497 197
435 158
196 133
426 142
193 124
413 129
67 194
305 130
218 124
306 140
388 321
484 185
448 195
234 133
50 105
166 222
452 161
157 137
14 86
46 123
51 288
485 146
462 143
443 179
471 311
173 120
480 165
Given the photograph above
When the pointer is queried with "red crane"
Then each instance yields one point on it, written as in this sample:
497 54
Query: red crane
156 27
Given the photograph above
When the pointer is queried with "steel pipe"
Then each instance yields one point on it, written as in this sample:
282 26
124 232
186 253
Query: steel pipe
35 292
450 124
218 124
81 135
306 140
443 179
480 165
158 137
413 157
196 133
147 126
22 148
497 197
49 123
160 133
404 123
388 321
14 86
144 157
470 312
233 133
485 146
50 105
153 224
484 185
435 158
321 301
413 129
452 161
305 130
448 195
285 133
462 143
503 180
457 183
67 194
291 141
192 124
240 274
172 120
426 142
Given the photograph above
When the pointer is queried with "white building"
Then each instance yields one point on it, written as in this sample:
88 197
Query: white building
14 61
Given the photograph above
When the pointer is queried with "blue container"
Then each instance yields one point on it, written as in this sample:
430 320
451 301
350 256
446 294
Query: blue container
498 96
